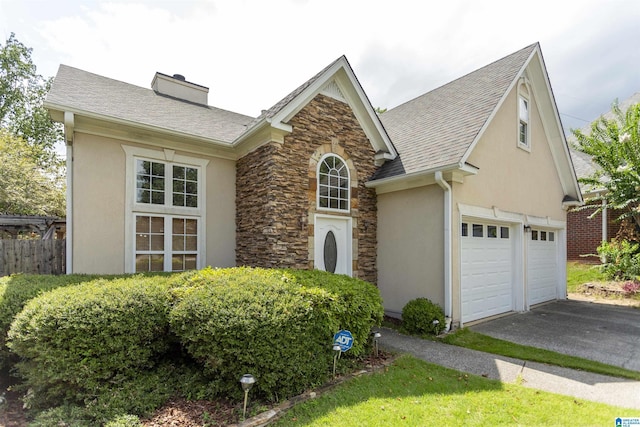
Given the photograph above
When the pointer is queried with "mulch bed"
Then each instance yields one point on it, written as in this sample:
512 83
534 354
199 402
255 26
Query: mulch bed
181 412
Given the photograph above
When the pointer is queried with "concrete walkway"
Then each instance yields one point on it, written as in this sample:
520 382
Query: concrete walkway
584 385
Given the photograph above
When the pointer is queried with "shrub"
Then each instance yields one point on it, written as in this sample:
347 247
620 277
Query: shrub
631 287
421 316
275 324
16 290
620 259
78 342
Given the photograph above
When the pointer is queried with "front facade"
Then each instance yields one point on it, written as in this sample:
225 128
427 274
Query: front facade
474 219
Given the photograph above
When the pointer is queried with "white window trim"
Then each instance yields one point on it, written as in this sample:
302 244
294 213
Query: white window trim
132 207
323 209
524 82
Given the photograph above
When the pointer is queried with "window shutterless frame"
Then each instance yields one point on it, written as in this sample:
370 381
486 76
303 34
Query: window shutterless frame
169 190
333 184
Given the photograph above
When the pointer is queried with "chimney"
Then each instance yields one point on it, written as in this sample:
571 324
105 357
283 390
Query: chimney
177 86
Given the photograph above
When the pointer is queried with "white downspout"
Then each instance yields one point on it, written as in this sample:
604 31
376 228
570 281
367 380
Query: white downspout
448 305
68 136
604 221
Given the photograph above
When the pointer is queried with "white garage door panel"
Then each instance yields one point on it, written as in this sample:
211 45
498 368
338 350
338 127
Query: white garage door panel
486 269
542 268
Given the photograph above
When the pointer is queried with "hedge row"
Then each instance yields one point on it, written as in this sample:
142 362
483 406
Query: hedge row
78 342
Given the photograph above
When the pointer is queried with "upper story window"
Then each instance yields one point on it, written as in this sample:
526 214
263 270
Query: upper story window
161 183
523 126
524 114
333 184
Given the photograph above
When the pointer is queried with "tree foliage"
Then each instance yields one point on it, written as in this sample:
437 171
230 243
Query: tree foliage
26 188
30 170
614 146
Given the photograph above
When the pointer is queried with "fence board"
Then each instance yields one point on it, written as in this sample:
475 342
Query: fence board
32 256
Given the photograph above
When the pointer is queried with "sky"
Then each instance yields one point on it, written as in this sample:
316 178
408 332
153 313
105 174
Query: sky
251 53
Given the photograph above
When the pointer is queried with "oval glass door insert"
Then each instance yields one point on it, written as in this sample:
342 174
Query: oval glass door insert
330 252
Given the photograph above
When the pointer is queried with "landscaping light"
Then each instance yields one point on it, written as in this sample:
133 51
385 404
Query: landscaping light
376 336
337 350
246 382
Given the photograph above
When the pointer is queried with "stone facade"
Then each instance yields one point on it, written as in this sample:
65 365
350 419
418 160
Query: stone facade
276 191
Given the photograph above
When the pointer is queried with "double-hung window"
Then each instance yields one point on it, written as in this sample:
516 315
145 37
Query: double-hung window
165 200
523 123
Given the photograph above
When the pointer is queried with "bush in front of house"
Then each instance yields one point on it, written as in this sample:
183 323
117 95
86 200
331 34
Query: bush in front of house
356 304
422 316
16 290
77 343
277 325
620 259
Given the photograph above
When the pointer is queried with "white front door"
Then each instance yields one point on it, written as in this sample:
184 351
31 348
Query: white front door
332 244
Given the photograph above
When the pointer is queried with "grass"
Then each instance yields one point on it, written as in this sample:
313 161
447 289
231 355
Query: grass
470 339
578 273
412 392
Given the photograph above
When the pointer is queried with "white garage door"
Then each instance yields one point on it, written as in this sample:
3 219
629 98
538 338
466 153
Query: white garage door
542 266
487 270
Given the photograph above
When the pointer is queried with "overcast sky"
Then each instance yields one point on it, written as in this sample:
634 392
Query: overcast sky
252 53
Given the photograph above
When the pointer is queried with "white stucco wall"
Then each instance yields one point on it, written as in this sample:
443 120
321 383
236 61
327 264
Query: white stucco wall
410 246
99 207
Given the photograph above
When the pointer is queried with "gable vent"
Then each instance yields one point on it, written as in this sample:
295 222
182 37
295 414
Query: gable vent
332 90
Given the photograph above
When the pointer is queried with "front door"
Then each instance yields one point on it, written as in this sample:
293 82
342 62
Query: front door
332 247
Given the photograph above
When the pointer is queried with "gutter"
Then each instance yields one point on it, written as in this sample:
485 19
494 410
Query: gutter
69 124
448 284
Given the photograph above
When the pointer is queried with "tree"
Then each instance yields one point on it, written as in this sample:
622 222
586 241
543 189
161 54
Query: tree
614 146
25 188
31 173
22 94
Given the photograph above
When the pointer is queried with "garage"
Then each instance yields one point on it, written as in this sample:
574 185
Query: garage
542 266
487 269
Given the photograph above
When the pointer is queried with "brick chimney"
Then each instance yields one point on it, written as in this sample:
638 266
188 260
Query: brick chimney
177 86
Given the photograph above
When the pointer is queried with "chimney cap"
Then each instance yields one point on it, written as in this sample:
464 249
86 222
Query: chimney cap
179 77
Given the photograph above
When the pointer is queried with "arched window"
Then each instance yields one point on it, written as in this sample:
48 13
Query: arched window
333 184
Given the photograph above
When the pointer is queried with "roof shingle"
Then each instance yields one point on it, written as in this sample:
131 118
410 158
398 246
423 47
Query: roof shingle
436 129
91 93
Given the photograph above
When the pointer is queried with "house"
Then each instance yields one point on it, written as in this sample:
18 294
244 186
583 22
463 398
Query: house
586 230
459 195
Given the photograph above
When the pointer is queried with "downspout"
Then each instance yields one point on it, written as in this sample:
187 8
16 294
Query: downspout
68 136
448 305
604 221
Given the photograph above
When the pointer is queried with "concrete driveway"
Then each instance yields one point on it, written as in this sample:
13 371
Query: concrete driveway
601 332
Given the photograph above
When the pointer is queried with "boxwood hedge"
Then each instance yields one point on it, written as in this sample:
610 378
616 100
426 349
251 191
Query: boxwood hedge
76 341
16 290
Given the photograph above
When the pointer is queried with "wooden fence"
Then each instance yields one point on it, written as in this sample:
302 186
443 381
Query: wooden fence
32 256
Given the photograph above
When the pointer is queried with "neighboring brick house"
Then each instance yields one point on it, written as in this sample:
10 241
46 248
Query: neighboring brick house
458 195
586 233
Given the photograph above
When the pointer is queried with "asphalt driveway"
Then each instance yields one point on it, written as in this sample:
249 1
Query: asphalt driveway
601 332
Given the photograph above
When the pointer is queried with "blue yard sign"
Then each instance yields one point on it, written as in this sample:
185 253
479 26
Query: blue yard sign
344 339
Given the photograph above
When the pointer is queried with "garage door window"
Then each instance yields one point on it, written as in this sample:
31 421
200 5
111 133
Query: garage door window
478 230
504 232
492 231
543 236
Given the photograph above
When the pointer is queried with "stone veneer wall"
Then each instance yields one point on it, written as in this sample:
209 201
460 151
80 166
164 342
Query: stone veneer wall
275 187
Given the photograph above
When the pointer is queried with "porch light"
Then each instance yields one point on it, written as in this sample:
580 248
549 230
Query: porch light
527 228
246 382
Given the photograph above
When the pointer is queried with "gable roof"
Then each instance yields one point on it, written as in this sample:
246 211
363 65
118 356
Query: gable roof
92 95
435 130
338 80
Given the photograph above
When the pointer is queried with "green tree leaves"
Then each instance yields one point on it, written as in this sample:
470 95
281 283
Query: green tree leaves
614 145
31 173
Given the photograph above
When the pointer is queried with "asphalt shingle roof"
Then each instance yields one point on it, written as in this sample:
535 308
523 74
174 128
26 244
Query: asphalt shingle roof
91 93
436 129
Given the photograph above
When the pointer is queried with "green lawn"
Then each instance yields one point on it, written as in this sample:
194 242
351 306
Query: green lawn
578 273
470 339
415 393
